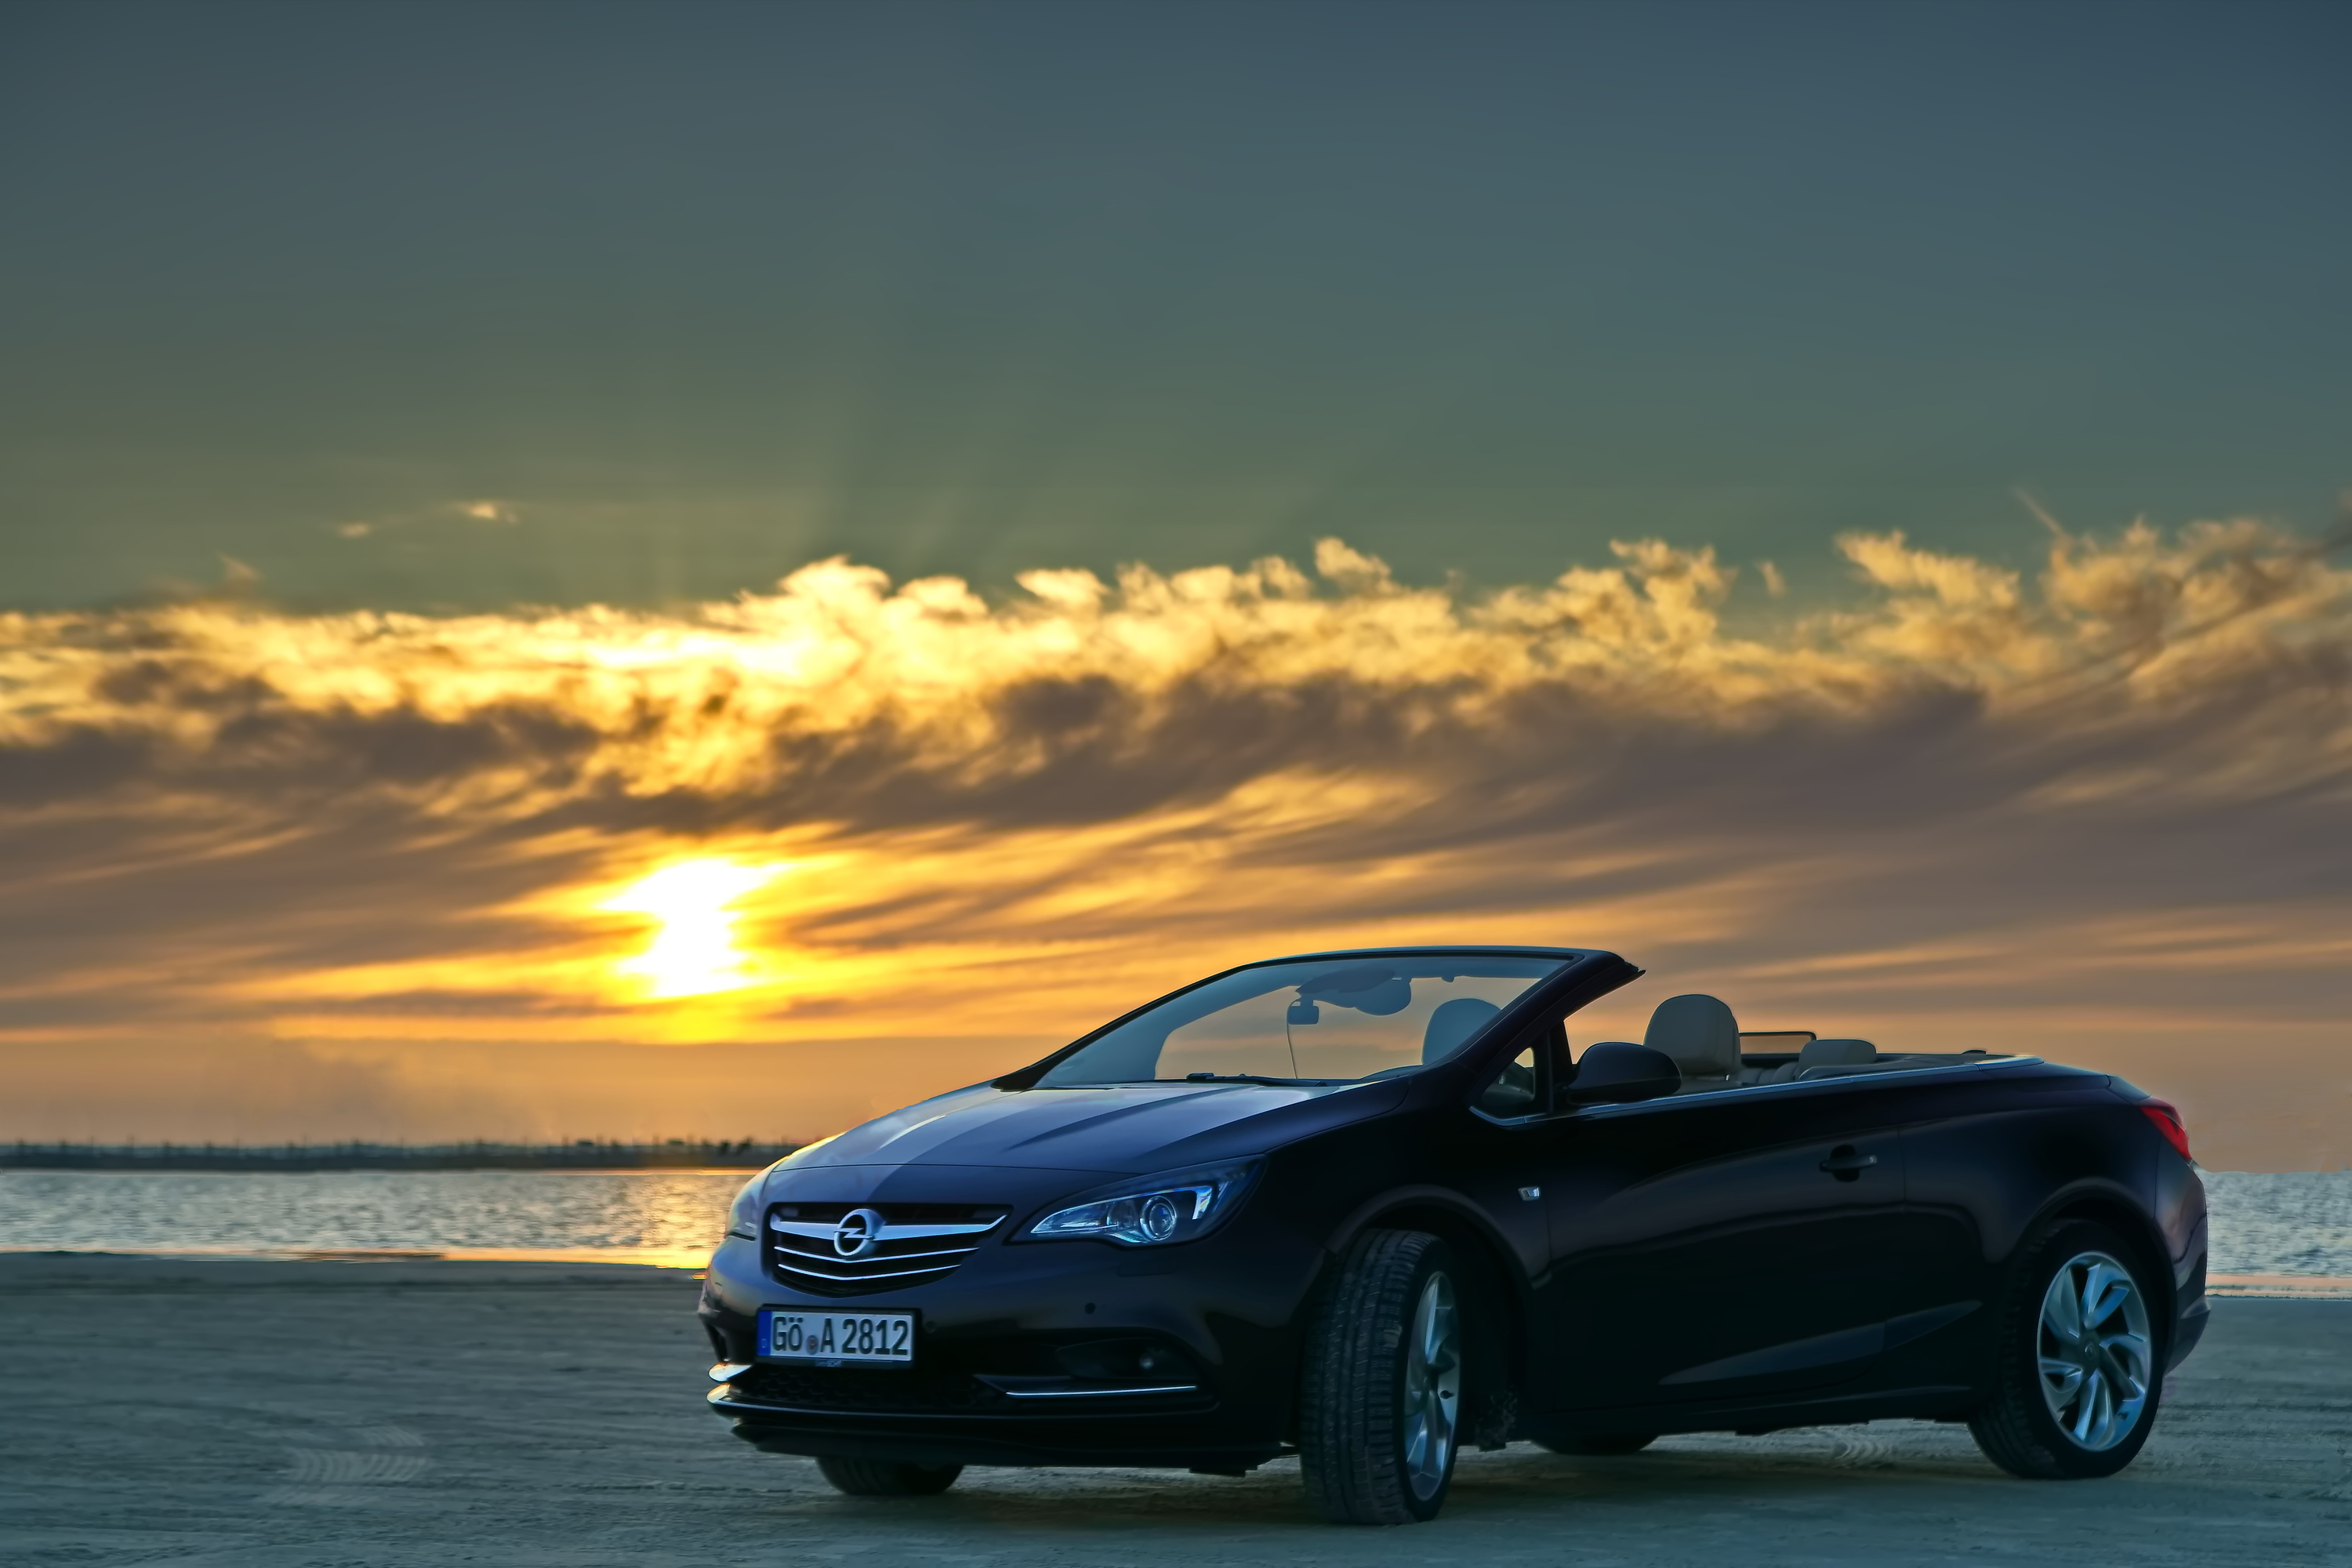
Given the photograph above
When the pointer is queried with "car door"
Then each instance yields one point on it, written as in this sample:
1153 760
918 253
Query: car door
1720 1245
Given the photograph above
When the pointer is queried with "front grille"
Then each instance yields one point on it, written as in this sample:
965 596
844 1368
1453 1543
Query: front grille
882 1393
846 1249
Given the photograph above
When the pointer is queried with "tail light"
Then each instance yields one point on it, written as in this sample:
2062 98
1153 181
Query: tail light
2167 1121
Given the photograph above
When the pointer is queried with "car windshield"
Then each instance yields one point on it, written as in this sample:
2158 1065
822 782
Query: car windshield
1329 1020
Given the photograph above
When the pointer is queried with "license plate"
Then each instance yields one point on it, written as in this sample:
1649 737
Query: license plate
838 1339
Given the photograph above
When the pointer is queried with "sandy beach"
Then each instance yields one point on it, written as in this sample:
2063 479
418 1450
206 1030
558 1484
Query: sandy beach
158 1411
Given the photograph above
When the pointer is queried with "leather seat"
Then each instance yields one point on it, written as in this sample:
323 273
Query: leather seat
1832 1053
1453 1023
1702 1037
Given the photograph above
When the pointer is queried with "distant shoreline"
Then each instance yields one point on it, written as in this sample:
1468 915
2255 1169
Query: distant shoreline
582 1155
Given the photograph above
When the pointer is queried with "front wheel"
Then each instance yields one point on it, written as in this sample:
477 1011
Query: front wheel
2076 1374
886 1477
1382 1401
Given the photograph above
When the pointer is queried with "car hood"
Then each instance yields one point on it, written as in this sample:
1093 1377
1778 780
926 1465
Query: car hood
1121 1128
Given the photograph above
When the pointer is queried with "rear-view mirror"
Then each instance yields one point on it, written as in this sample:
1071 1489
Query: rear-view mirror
1616 1071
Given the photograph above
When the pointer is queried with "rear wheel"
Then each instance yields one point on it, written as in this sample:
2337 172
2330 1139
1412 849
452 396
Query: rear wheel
2076 1374
888 1477
1607 1443
1381 1407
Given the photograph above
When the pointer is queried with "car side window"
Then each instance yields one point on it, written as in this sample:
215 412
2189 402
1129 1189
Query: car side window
1513 1092
1523 1087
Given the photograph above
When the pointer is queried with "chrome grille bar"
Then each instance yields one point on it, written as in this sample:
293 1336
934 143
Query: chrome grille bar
824 1230
879 1257
859 1279
802 1253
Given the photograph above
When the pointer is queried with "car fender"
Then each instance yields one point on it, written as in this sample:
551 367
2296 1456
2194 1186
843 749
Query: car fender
1423 1195
1983 1173
1503 1282
2109 1203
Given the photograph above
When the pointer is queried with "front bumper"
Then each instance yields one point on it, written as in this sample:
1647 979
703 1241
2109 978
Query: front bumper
793 1412
1007 1346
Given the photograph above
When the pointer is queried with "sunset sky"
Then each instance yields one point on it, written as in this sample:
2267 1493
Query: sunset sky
654 569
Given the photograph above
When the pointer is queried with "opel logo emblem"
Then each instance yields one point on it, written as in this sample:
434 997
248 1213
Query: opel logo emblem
859 1232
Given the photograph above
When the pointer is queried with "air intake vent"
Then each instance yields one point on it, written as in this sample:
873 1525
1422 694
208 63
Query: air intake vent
839 1249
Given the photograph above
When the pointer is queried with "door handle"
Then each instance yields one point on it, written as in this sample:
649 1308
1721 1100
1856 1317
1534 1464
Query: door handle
1847 1165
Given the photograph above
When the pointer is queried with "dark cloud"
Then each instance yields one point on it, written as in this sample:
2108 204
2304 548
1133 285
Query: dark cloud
71 761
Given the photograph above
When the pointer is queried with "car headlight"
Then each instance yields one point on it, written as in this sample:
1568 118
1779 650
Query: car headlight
743 1217
1174 1206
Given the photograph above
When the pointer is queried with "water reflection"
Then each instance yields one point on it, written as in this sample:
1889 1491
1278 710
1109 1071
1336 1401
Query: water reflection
2271 1234
672 1217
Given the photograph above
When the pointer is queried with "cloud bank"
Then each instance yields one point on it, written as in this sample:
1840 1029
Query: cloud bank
2098 811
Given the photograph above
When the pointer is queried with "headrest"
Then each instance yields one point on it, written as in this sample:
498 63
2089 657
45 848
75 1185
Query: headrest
1699 1033
1453 1023
1836 1053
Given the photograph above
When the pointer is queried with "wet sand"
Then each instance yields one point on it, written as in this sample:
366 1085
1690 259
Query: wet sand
426 1414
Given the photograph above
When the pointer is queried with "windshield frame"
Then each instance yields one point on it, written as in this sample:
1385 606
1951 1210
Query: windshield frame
1566 961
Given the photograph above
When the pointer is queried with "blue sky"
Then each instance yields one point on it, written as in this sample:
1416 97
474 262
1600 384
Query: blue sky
676 298
1523 334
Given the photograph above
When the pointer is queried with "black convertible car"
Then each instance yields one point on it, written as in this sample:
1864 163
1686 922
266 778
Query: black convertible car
1369 1206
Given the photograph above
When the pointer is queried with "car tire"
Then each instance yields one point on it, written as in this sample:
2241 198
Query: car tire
1607 1443
888 1477
2071 1401
1381 1398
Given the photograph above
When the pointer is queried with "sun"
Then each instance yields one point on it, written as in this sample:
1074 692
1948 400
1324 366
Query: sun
693 950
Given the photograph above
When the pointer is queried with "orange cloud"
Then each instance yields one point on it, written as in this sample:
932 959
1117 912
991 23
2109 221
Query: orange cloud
1966 798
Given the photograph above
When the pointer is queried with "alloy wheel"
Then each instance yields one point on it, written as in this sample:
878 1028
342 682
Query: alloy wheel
2095 1352
1432 1387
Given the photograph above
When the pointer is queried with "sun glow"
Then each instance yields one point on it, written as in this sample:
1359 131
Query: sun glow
693 950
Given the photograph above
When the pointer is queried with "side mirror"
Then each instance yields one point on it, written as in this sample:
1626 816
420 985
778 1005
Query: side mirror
1618 1071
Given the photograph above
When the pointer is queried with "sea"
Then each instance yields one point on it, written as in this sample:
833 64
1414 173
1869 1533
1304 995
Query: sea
2288 1236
